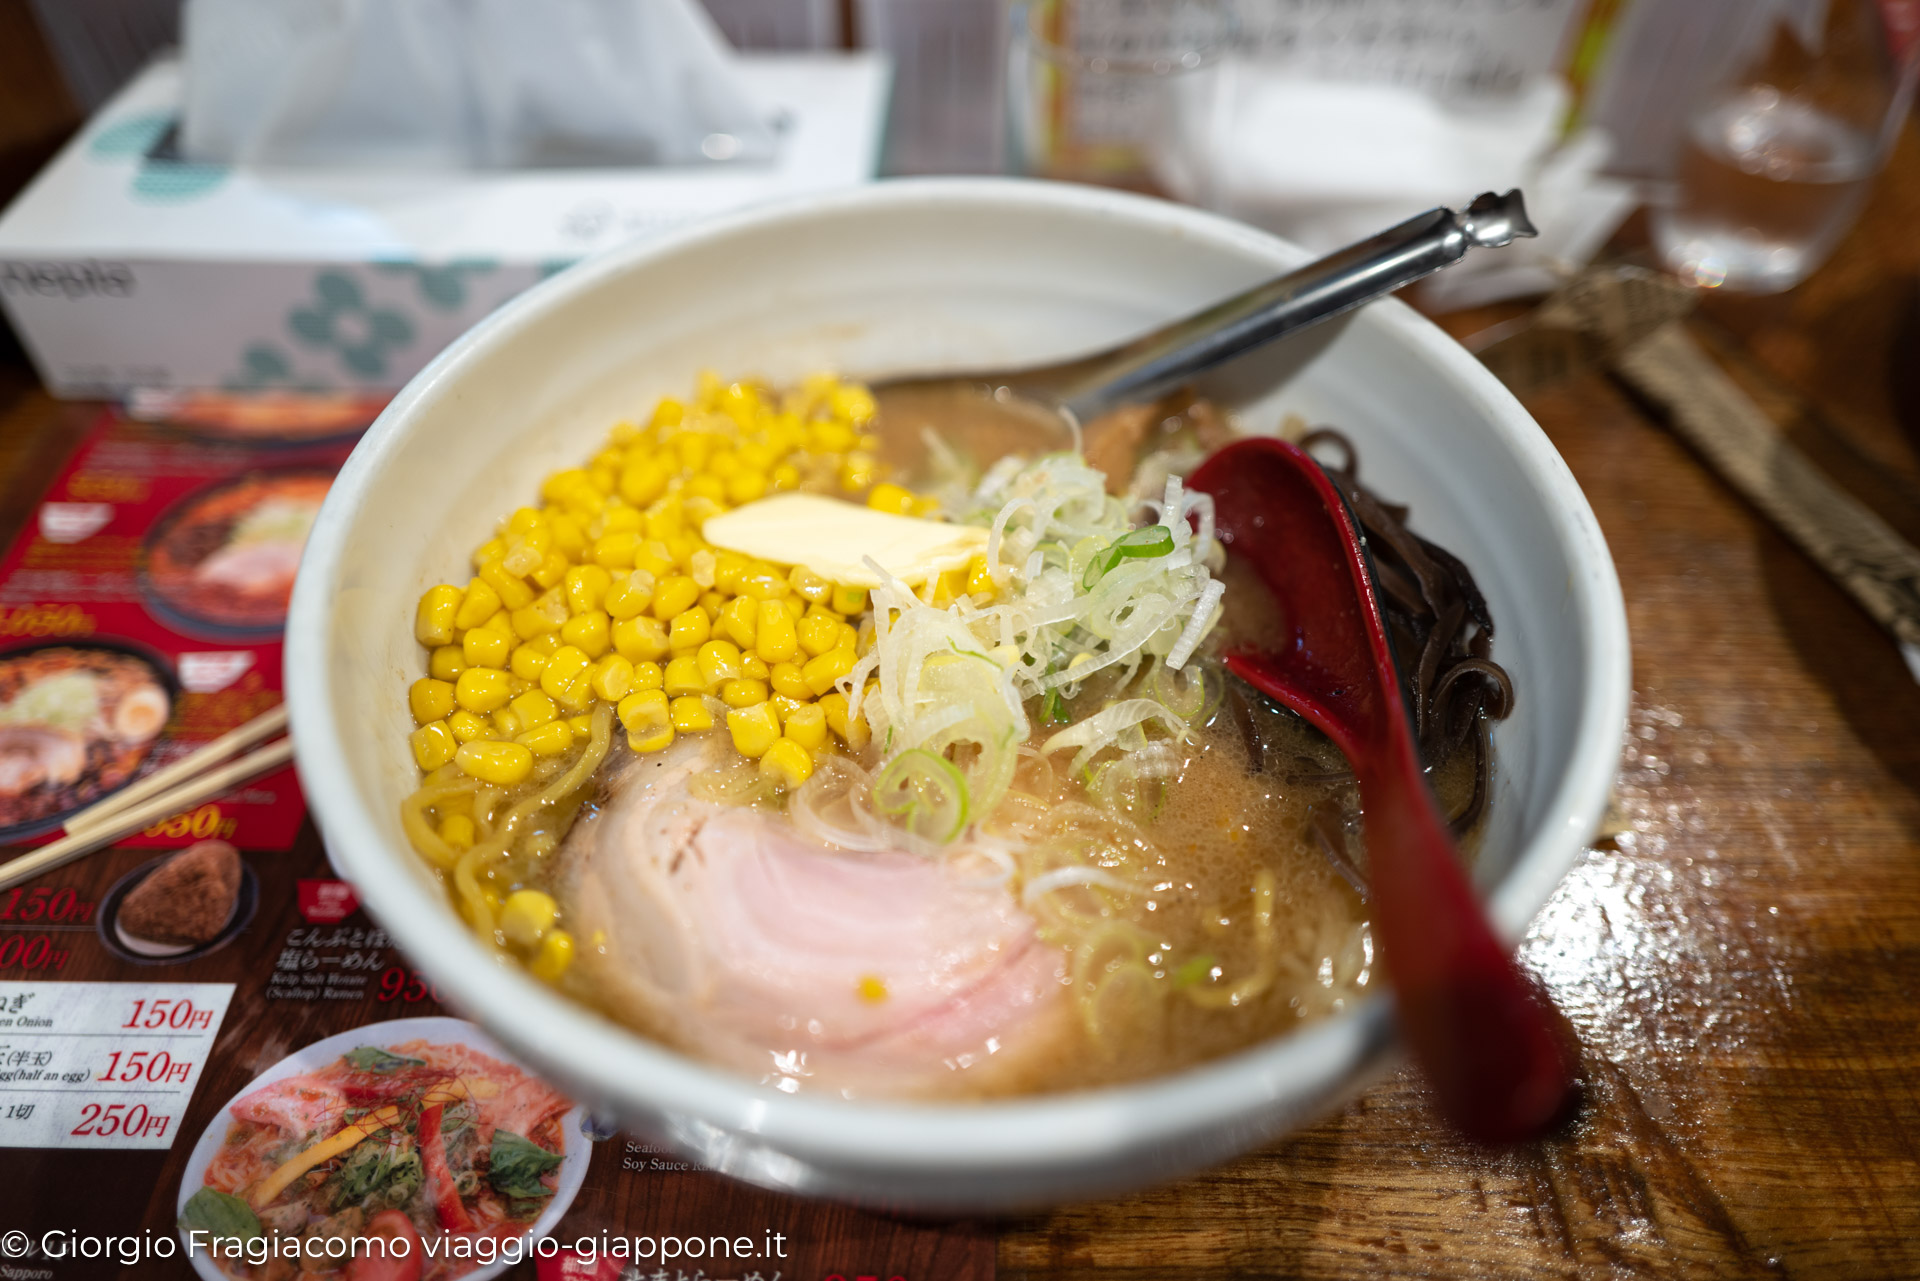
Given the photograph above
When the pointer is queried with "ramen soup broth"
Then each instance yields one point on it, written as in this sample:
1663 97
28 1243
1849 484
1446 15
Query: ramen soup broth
1128 904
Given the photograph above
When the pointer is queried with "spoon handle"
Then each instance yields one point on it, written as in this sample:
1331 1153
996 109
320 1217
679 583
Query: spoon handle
1145 367
1483 1034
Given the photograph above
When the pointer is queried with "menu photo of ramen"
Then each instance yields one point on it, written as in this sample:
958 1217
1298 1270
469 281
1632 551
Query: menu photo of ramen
77 721
220 564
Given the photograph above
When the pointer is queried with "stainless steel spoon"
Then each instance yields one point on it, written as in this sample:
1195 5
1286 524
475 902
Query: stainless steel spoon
1143 368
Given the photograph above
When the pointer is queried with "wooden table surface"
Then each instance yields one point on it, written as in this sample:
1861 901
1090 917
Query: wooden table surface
1741 965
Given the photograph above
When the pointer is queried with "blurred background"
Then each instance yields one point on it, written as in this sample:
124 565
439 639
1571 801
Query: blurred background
1747 130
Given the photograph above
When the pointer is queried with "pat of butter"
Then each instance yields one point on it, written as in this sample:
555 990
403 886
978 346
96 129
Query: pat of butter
831 538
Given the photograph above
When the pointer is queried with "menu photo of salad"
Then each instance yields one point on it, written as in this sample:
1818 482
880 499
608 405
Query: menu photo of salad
421 1132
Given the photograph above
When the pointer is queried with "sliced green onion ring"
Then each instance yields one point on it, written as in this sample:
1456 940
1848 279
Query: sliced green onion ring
1136 544
925 793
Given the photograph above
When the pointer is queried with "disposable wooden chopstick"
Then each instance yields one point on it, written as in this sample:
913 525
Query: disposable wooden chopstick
130 820
259 729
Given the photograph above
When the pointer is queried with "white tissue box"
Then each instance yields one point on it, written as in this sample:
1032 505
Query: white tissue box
120 270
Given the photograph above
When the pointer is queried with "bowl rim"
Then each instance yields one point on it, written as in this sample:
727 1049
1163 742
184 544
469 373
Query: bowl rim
614 1065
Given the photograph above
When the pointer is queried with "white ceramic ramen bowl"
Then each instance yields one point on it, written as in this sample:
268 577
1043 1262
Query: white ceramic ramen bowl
898 277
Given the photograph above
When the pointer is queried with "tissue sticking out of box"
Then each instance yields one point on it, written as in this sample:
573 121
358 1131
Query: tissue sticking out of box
1325 162
464 84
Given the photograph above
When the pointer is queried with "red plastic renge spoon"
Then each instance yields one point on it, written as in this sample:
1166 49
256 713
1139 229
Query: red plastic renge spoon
1482 1033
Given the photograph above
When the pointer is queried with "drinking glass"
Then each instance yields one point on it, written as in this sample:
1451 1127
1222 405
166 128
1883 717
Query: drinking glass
1776 160
1099 88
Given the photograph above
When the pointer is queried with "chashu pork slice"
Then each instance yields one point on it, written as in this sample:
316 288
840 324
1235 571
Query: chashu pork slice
732 936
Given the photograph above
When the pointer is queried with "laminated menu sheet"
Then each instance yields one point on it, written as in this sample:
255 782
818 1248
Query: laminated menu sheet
141 610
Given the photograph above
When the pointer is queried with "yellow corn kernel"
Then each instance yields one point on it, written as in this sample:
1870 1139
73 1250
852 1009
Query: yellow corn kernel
701 567
728 569
690 714
979 577
889 497
689 630
429 700
949 587
622 520
785 705
491 550
724 465
808 585
551 571
775 639
819 631
807 726
643 481
858 471
506 723
820 673
446 663
746 485
526 915
544 644
743 692
457 831
648 676
615 550
590 632
788 679
754 667
682 676
738 621
854 733
706 485
582 727
481 689
713 603
530 622
693 448
468 728
829 437
502 764
433 619
485 647
550 739
587 587
510 588
568 538
663 518
628 595
553 957
565 677
645 712
674 595
640 640
763 582
654 557
848 601
683 547
796 608
852 402
754 729
527 662
668 413
787 762
849 638
784 477
534 709
872 989
612 678
719 662
433 745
